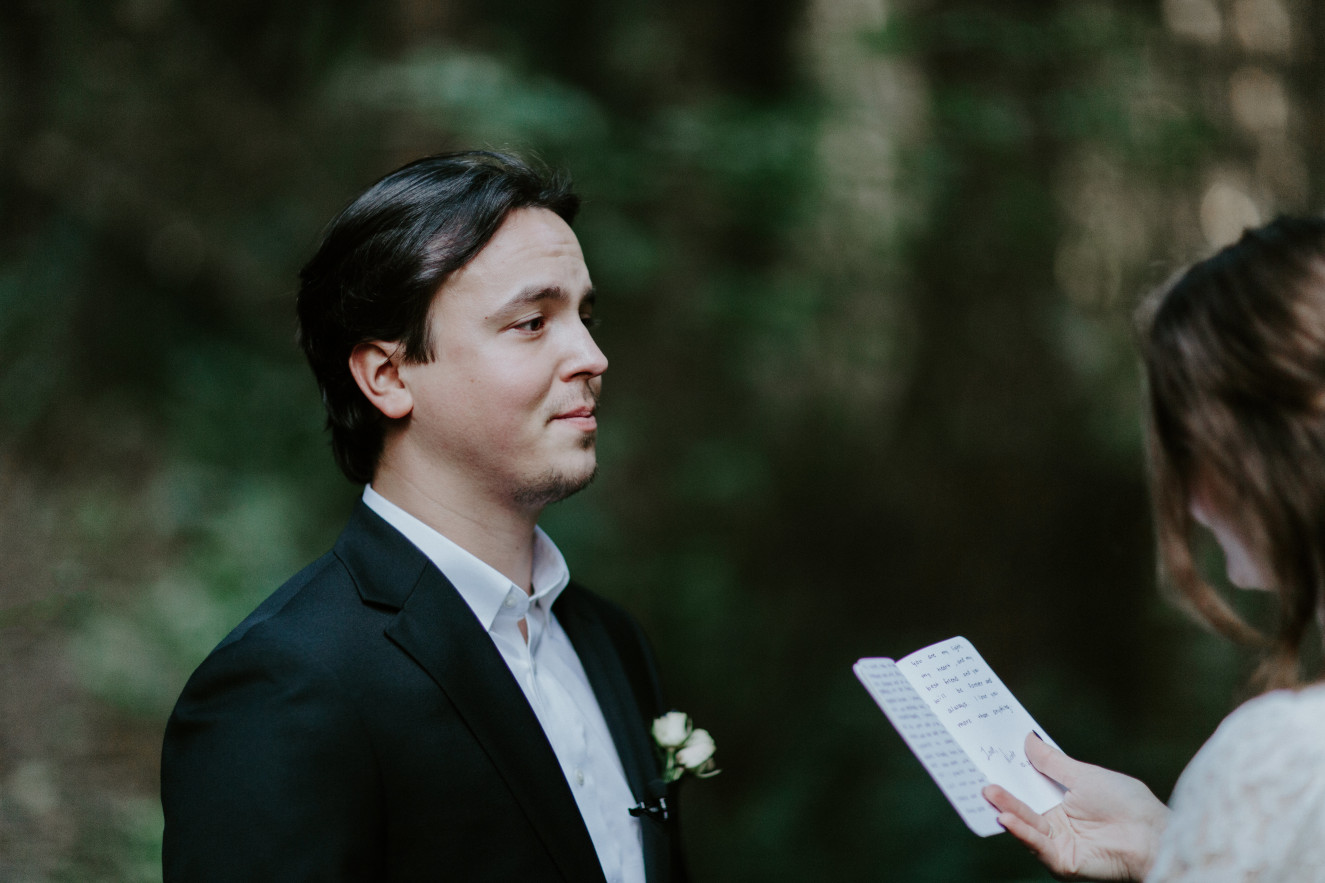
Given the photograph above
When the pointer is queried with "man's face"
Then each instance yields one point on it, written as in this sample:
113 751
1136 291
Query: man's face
507 405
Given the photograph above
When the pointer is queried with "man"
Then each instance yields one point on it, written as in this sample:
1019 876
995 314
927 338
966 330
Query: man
432 699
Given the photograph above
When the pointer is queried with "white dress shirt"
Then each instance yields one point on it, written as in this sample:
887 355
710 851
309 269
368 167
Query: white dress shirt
551 676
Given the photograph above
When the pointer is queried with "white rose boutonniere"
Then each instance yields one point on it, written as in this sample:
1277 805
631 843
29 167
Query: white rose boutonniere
682 748
671 730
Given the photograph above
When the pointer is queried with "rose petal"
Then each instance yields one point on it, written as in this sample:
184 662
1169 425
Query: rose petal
671 730
697 750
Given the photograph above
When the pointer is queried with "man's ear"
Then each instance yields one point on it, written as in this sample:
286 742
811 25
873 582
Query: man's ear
377 372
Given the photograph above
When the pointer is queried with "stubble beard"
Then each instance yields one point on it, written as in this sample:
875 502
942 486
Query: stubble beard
553 486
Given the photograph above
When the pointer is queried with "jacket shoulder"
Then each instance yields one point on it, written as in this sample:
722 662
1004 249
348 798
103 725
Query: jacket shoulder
327 571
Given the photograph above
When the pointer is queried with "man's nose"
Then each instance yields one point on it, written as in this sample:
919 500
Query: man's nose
585 357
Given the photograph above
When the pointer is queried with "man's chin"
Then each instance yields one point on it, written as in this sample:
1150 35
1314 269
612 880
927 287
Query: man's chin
552 487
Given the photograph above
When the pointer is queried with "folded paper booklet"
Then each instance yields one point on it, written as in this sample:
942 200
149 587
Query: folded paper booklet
967 729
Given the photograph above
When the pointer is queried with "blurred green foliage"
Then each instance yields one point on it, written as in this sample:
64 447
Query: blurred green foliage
866 274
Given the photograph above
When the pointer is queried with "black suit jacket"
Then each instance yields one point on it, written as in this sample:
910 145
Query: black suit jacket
361 725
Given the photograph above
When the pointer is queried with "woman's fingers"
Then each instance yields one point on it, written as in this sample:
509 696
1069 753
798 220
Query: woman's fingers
1037 841
1052 762
1022 822
1007 804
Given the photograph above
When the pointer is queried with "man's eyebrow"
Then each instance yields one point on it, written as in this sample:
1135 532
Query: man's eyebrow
538 294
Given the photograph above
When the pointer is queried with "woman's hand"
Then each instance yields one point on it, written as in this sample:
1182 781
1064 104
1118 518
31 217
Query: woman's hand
1106 828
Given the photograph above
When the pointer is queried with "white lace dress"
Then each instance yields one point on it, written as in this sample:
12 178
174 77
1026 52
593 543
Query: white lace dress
1251 804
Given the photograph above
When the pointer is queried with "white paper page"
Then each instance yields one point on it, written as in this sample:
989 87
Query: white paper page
982 715
944 760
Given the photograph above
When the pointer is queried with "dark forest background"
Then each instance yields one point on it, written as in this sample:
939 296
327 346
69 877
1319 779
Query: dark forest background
866 268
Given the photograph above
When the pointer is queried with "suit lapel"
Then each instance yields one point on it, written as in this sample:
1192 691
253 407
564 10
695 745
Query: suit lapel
621 711
613 692
439 631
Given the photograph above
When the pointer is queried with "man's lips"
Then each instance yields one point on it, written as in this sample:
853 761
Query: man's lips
581 417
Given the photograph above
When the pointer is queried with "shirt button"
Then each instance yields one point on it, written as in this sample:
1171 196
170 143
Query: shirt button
579 776
508 603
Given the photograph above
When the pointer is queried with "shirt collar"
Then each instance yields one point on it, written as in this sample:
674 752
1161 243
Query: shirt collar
481 585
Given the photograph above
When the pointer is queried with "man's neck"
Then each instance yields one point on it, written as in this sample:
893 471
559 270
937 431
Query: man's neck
501 536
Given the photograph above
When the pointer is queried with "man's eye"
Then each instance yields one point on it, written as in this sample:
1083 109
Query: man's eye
589 321
534 324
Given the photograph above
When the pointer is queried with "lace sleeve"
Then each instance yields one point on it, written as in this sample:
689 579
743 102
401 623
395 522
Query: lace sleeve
1251 805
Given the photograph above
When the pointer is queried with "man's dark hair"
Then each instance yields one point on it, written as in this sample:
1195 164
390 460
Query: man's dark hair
382 260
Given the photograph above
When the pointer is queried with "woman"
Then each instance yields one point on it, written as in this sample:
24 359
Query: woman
1235 358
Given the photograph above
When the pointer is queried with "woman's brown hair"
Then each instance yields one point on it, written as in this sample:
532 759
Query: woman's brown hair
1234 352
